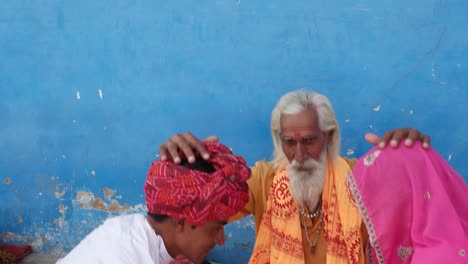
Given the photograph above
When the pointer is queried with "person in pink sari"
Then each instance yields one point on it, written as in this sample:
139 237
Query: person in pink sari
414 205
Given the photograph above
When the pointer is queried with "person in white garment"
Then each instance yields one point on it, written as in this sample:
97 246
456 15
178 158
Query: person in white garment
188 206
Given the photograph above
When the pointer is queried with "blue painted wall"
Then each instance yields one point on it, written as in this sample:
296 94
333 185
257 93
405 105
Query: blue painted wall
89 89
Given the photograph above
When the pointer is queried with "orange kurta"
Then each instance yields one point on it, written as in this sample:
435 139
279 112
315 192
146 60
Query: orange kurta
259 187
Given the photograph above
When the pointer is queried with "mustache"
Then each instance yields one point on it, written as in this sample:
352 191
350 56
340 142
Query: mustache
308 164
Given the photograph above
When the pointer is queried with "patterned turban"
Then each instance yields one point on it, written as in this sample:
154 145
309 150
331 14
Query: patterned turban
197 196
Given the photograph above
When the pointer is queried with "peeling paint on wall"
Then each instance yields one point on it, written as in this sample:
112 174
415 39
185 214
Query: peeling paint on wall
84 198
53 236
61 208
108 193
87 200
10 236
7 181
60 190
99 204
60 222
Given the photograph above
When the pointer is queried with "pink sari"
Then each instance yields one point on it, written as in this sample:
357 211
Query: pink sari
414 205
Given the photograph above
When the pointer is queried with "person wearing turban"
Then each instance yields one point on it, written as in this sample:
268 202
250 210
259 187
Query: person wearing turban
188 206
300 199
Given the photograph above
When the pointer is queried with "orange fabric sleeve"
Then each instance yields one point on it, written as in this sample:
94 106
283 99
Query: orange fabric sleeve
259 185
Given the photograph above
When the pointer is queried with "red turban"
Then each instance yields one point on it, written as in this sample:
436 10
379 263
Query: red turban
197 196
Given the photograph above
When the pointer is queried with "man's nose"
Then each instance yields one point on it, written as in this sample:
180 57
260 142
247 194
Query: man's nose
299 154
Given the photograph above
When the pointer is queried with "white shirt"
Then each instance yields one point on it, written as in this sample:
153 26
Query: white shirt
122 239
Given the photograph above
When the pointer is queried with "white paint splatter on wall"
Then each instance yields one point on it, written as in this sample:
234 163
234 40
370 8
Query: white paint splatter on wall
78 97
246 223
377 108
100 93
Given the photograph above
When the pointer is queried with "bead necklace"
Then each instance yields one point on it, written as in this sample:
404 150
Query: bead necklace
313 244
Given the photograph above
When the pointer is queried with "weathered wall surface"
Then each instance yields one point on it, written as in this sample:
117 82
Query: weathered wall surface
90 88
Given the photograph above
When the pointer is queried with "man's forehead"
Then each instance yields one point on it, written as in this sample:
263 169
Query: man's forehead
303 121
300 133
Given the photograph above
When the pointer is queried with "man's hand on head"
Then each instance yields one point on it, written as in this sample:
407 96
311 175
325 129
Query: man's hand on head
184 146
395 136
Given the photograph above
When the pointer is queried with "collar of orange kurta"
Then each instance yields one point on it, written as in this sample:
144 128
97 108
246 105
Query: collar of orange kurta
279 239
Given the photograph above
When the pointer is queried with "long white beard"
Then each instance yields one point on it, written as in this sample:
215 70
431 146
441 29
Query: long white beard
306 185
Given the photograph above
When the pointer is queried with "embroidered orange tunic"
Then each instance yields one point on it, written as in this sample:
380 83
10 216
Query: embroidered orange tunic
259 187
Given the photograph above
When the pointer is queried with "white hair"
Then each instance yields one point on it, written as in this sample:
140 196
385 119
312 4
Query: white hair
306 186
296 102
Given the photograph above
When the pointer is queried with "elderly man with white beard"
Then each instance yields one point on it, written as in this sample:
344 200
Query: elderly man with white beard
303 209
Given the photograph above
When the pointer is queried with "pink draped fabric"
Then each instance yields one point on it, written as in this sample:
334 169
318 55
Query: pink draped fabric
414 205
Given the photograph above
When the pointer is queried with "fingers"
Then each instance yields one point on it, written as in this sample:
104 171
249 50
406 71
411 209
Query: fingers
211 139
372 138
163 151
394 137
195 144
426 141
180 146
391 138
415 135
169 150
179 142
